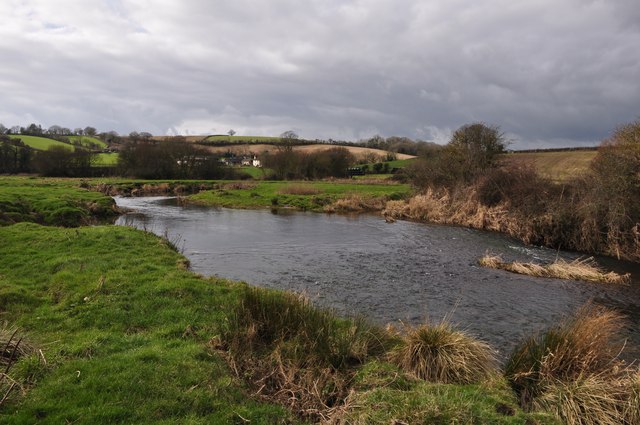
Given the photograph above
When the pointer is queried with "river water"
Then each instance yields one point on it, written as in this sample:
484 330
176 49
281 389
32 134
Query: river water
400 272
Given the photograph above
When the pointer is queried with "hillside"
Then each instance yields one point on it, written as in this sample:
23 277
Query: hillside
556 165
41 143
258 149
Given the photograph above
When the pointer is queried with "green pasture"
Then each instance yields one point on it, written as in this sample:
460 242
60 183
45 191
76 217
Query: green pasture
106 159
88 141
41 143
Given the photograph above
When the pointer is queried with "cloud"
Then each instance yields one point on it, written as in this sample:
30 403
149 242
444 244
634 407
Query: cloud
546 72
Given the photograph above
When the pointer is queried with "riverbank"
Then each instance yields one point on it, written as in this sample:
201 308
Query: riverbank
121 332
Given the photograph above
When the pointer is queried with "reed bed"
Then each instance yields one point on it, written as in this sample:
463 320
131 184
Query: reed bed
579 269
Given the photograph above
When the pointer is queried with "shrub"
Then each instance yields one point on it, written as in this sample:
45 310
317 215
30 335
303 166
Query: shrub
439 353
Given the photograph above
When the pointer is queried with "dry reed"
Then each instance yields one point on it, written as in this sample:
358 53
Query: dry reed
580 269
355 203
440 353
573 370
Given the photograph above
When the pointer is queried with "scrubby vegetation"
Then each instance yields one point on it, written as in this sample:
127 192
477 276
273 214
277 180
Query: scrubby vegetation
595 213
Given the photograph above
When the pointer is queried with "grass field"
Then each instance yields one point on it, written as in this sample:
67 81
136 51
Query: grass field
106 159
88 141
41 143
50 201
558 166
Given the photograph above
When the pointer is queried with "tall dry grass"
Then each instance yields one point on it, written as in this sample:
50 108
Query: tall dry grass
13 348
440 353
296 354
574 370
580 269
356 203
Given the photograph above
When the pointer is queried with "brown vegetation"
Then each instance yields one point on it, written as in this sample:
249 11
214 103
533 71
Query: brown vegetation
573 370
356 203
439 353
579 269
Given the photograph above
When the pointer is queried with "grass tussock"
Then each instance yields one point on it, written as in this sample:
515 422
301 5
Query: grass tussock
299 189
579 269
296 354
439 353
573 370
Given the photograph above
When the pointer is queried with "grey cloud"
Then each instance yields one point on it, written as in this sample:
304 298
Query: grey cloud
546 72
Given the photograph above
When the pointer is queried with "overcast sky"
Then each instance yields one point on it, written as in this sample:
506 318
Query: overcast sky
548 72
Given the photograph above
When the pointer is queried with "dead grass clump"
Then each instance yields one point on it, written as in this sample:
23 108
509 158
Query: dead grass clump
239 186
588 400
355 203
299 189
579 269
296 354
12 344
440 353
13 348
573 369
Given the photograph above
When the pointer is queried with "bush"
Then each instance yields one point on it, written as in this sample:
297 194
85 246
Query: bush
439 353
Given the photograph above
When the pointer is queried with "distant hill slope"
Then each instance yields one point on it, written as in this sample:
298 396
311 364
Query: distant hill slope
258 149
558 165
40 143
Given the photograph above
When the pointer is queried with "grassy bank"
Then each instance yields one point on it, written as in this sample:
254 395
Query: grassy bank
52 202
126 333
311 196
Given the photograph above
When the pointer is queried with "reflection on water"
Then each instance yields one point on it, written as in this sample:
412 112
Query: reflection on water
389 272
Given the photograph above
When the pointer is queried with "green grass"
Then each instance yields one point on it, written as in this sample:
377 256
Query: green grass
106 159
41 143
273 194
255 172
50 201
88 141
385 395
124 330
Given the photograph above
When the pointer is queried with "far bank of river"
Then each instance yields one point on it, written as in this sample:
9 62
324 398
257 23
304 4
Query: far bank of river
404 271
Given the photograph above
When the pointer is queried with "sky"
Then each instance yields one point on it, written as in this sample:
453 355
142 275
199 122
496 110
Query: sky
549 73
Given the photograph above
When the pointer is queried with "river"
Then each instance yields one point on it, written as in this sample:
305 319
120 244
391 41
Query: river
391 273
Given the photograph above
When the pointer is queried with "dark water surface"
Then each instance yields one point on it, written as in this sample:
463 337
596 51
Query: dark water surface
389 272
